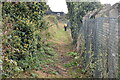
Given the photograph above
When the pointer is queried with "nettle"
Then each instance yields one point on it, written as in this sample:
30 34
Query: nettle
23 23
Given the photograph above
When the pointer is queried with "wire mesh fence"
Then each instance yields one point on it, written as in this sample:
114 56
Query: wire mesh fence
101 42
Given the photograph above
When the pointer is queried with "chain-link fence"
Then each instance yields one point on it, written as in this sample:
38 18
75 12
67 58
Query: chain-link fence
101 41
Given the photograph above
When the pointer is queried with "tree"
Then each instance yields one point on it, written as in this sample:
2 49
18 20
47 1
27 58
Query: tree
76 12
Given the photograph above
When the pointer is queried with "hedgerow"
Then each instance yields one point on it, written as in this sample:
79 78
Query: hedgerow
22 41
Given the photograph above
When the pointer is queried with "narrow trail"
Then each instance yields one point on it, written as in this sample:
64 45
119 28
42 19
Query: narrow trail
62 50
62 45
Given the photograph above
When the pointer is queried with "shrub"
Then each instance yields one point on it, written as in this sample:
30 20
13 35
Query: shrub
22 43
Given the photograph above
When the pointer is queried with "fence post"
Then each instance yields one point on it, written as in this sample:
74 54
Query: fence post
119 47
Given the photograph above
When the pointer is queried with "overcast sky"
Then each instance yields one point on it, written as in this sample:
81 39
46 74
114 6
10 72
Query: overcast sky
109 1
60 5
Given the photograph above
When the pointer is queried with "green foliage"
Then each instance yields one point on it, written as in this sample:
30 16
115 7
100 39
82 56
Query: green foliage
52 19
22 40
76 13
34 75
71 64
118 73
80 66
73 54
11 68
76 61
49 51
54 72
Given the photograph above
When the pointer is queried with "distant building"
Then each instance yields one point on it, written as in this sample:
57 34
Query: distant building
55 13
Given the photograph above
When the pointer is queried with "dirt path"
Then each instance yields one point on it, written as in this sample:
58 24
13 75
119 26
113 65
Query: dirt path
62 50
62 45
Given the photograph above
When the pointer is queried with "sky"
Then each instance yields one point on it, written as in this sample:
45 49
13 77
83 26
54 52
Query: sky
60 5
109 1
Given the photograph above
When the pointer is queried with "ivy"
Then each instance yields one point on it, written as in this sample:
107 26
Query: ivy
22 43
76 12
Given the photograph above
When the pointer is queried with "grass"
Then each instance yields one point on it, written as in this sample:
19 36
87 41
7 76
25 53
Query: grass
59 35
56 30
60 41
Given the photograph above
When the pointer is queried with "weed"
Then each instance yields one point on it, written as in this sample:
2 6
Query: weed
55 72
73 54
